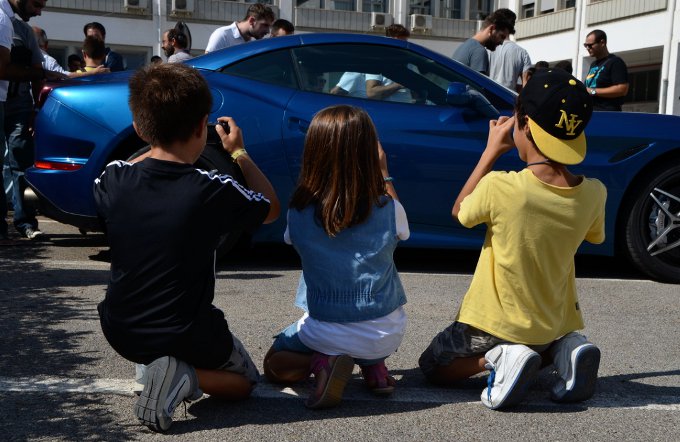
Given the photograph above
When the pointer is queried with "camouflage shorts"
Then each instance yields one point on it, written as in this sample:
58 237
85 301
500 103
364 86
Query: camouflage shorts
460 340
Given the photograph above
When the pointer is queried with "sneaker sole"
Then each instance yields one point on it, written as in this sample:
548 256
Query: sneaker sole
586 363
341 372
518 391
148 408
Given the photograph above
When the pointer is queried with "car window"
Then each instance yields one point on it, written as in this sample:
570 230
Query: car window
355 69
272 67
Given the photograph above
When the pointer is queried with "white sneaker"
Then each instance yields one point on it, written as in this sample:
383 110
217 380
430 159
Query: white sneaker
140 374
169 382
577 362
513 369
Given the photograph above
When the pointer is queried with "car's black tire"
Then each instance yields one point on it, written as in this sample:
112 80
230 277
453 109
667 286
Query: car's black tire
647 222
214 158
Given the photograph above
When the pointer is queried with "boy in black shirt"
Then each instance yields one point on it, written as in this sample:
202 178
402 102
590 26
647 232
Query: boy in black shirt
164 219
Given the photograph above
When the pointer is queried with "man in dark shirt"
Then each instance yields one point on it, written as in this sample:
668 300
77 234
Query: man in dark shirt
607 79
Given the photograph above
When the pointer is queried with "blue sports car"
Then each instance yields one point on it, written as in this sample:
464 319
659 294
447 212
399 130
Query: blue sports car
433 129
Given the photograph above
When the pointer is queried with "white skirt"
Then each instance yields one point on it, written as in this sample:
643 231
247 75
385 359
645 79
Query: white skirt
372 339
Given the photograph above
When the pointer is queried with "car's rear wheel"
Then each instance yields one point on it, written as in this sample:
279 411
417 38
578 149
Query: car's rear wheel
214 158
652 228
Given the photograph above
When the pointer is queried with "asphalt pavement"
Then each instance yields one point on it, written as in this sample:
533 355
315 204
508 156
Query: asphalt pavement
59 380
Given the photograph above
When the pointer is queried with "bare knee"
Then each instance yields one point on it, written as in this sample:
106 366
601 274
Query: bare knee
286 367
224 384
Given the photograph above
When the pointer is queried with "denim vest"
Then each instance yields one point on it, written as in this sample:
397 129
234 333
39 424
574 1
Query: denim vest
350 277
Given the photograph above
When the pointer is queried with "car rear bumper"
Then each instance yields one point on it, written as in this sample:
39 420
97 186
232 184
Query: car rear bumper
50 210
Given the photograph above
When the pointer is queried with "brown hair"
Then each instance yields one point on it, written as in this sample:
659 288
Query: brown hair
94 48
168 102
260 12
340 168
397 31
521 117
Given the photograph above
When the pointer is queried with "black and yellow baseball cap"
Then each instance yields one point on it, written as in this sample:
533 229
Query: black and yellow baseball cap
559 108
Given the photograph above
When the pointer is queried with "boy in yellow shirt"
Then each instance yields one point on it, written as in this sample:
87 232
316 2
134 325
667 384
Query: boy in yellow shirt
522 304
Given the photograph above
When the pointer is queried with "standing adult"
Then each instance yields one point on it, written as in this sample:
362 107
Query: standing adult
255 25
607 79
509 65
5 50
50 64
282 27
113 60
175 46
25 73
495 29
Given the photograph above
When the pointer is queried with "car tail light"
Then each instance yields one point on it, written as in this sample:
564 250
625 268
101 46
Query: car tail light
53 165
42 96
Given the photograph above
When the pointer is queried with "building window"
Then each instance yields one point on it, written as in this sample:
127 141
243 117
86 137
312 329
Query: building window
374 5
420 7
342 5
643 86
312 4
527 8
479 9
451 9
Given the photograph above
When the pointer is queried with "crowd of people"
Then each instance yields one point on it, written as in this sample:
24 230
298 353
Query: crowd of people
521 311
491 52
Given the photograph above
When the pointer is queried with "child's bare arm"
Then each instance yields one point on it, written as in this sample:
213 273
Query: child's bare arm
499 142
389 184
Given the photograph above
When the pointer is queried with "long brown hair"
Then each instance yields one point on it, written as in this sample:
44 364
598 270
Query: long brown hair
340 168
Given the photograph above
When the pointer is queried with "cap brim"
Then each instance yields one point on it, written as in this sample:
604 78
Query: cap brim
561 151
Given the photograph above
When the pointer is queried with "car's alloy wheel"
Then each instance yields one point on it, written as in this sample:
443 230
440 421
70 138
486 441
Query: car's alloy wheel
653 225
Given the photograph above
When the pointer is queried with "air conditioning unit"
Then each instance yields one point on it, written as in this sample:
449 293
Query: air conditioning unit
135 6
182 8
380 20
421 23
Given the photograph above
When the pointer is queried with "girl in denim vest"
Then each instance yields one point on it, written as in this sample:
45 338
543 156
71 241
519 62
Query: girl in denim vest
344 221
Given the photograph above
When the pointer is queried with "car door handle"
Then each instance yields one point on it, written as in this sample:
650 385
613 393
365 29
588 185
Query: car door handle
302 125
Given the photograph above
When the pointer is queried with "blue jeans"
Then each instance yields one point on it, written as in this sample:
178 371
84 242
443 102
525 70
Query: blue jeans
3 199
18 158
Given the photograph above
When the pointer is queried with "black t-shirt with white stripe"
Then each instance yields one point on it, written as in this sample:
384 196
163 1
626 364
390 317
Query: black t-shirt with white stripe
164 221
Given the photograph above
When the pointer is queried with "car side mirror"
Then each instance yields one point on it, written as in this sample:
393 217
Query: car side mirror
462 95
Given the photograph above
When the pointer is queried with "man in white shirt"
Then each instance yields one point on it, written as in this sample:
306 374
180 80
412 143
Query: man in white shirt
50 64
255 25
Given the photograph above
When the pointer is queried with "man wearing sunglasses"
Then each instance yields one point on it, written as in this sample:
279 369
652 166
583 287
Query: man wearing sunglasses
607 79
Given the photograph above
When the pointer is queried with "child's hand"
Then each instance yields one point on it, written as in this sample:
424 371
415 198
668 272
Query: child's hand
232 141
500 135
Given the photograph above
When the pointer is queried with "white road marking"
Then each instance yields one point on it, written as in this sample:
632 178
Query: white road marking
125 387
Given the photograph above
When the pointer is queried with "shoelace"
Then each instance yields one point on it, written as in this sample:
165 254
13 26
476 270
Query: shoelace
489 383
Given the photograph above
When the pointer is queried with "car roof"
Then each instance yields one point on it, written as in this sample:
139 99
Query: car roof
218 59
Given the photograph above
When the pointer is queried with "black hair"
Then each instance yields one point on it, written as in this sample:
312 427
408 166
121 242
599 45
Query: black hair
283 24
95 25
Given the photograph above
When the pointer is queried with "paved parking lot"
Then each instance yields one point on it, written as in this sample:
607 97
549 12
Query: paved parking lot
59 380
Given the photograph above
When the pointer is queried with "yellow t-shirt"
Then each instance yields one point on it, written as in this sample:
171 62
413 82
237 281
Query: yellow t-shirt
523 289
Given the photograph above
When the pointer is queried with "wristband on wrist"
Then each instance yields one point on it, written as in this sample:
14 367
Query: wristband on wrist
388 179
237 153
